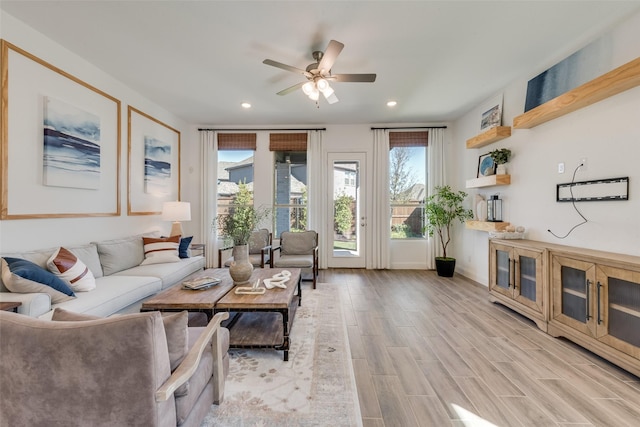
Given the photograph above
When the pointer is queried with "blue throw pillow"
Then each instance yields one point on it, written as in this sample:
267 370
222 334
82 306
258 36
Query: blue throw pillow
183 249
20 275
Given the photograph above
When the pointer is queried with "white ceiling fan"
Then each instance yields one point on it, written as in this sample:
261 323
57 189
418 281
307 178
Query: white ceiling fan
319 74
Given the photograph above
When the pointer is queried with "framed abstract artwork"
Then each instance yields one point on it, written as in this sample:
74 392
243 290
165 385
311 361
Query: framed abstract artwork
486 166
60 142
154 163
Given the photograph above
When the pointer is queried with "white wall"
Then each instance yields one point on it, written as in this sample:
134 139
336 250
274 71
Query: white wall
16 235
606 133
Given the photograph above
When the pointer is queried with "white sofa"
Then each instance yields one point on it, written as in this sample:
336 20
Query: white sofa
120 279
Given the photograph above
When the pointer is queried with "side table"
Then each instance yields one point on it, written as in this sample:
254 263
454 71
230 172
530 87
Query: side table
200 248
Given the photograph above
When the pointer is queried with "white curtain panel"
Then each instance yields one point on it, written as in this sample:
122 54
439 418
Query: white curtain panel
317 216
209 196
436 177
378 231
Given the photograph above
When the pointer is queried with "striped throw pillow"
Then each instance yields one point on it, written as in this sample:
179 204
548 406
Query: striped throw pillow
64 264
159 250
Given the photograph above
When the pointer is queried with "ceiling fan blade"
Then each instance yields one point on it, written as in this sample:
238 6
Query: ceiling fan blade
287 67
291 89
353 78
330 54
331 99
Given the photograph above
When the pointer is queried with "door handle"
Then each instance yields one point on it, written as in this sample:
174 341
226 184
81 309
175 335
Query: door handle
588 299
598 287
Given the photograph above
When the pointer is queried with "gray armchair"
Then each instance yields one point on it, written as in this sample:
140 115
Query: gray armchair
259 249
110 372
297 250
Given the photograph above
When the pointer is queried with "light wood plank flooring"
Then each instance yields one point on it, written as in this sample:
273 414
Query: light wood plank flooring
430 351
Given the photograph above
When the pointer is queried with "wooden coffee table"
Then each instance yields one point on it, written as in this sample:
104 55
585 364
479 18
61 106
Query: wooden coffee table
260 321
177 299
264 320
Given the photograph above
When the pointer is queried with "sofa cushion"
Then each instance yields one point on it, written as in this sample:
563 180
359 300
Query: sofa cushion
170 273
183 249
64 264
160 250
22 276
112 294
175 329
119 254
89 255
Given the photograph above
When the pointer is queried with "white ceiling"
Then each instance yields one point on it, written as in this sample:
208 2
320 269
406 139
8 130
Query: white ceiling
201 59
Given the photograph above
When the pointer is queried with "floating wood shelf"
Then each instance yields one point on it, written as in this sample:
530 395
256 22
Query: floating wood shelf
492 135
486 225
488 181
622 78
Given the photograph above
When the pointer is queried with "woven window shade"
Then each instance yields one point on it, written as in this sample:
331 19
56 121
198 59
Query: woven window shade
237 141
288 141
408 139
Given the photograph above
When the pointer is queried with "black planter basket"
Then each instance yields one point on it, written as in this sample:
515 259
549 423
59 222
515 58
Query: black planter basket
445 266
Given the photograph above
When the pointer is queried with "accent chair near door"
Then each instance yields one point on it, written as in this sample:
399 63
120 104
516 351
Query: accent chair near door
297 250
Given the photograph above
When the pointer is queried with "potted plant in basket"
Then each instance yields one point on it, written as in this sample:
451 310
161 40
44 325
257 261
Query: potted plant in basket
441 210
500 157
237 225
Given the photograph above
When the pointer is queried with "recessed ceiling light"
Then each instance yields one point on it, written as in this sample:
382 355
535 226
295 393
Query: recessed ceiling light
391 103
246 105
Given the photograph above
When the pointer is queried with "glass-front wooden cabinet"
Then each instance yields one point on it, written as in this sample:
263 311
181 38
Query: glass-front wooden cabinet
573 282
595 298
516 277
617 313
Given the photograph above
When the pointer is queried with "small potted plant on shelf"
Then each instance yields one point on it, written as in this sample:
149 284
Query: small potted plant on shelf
500 157
441 210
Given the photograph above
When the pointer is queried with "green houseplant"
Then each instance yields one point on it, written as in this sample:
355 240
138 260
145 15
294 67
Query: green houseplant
500 157
441 210
237 225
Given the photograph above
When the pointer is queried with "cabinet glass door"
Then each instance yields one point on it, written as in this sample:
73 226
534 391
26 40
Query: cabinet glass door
573 293
528 278
618 314
500 258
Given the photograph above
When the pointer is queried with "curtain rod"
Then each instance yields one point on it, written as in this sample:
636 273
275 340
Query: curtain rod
411 127
255 130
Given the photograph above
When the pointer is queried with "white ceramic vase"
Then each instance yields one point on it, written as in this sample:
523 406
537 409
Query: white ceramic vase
481 210
241 268
501 169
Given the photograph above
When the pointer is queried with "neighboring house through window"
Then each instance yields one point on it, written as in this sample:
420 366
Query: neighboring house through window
290 172
235 167
407 183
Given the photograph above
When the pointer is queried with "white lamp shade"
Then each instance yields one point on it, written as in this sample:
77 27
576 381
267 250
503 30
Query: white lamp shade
307 88
176 211
322 85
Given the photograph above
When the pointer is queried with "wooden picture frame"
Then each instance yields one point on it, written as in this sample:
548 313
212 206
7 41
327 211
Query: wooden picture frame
153 156
491 113
28 83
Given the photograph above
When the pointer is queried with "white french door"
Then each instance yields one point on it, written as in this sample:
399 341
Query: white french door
346 235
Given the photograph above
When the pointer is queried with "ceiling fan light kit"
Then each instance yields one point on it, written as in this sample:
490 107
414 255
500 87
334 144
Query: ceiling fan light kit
319 74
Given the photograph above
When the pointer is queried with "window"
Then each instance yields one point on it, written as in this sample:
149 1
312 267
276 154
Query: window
290 172
407 183
235 170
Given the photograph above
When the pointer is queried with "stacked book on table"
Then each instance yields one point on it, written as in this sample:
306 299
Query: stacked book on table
200 283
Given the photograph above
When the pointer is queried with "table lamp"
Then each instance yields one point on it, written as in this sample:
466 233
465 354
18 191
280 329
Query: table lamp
176 212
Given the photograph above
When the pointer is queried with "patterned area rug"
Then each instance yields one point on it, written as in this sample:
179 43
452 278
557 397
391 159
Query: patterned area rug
316 387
